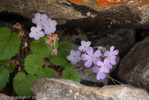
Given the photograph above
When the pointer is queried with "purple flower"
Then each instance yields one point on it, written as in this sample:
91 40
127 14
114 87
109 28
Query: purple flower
112 60
84 45
74 56
90 57
105 66
40 19
112 52
36 32
99 74
50 26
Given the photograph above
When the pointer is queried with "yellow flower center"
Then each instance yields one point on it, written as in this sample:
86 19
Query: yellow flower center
91 57
74 56
84 46
49 26
40 20
36 32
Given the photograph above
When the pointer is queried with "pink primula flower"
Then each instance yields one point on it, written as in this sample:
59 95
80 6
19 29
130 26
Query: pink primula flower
105 66
36 32
90 57
112 52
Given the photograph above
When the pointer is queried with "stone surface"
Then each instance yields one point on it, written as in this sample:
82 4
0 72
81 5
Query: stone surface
134 68
58 89
5 97
120 12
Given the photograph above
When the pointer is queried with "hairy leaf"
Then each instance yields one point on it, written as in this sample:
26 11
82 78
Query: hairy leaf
22 84
4 77
9 43
32 63
10 67
39 47
71 74
58 60
46 73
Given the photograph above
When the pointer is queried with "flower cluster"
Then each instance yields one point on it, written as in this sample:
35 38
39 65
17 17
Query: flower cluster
42 23
102 61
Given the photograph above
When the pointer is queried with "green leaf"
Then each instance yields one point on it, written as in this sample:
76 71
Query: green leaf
46 73
22 84
9 43
71 74
58 60
65 45
39 47
10 68
3 62
4 77
32 63
68 65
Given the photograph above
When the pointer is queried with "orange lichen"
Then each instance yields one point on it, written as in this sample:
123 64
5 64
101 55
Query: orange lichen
111 3
77 1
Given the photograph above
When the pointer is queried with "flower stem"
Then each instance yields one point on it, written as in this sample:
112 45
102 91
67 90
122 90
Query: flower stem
114 79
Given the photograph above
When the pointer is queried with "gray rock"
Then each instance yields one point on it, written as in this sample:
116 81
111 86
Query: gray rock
5 97
134 68
60 89
131 13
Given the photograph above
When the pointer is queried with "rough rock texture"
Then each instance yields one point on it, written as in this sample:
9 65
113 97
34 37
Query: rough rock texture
126 12
5 97
57 89
134 68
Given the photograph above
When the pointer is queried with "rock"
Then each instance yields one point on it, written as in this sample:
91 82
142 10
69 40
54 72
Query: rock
134 68
89 12
5 97
60 89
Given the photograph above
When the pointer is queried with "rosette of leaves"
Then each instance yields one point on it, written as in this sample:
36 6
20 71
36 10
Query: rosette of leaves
61 58
4 77
71 74
9 43
41 48
22 83
32 63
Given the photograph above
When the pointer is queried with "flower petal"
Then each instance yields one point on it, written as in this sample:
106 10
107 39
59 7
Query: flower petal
39 28
116 52
69 57
72 52
33 29
88 43
88 63
95 60
74 61
83 43
36 37
41 34
112 48
78 53
99 63
85 57
97 53
44 17
102 75
32 34
113 62
106 53
89 50
106 61
78 59
81 48
53 23
95 69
